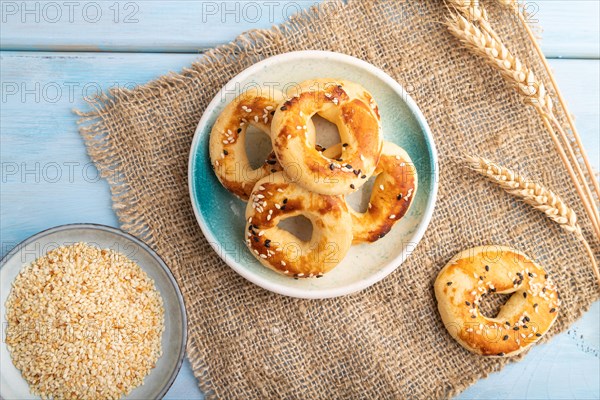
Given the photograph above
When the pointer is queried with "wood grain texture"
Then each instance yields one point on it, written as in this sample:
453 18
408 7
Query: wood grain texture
571 29
47 180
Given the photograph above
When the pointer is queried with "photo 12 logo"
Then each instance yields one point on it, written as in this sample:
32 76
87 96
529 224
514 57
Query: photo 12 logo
53 12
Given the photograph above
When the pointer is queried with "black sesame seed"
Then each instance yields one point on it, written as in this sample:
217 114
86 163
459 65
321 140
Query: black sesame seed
255 226
339 159
225 152
467 303
319 276
544 289
448 283
507 323
520 275
535 305
282 208
272 162
526 318
268 243
256 239
516 328
399 197
345 145
272 112
538 334
473 316
525 294
480 277
331 166
352 185
283 108
501 354
546 276
285 201
530 274
239 130
524 326
381 235
348 166
505 337
487 267
273 170
552 310
363 177
356 172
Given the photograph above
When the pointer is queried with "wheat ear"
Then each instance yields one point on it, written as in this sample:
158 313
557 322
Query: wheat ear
514 6
524 80
536 196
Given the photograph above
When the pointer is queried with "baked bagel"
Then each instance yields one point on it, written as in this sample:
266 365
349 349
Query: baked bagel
393 192
352 109
227 140
522 320
274 199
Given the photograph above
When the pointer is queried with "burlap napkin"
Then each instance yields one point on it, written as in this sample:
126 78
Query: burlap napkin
387 341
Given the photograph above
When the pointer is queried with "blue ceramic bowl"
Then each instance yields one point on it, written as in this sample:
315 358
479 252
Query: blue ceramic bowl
174 338
221 215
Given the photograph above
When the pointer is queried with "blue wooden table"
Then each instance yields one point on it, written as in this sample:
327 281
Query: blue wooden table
55 53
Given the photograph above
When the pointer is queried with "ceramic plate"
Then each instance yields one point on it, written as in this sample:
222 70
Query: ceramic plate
156 384
221 215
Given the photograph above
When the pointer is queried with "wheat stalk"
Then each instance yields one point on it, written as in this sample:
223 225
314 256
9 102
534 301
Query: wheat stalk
535 195
514 6
482 43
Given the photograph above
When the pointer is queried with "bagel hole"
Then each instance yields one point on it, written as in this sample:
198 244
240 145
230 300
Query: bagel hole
490 304
258 146
327 133
299 226
359 200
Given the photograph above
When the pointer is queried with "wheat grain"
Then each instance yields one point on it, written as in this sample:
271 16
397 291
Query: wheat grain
490 48
498 56
469 8
535 195
532 193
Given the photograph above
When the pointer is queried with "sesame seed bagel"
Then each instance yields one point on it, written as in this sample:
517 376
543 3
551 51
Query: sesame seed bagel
352 109
274 199
393 192
522 320
227 146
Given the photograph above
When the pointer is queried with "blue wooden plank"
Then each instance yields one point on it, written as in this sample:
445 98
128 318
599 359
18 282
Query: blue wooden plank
190 26
38 129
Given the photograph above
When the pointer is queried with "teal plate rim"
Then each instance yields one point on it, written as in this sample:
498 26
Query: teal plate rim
299 292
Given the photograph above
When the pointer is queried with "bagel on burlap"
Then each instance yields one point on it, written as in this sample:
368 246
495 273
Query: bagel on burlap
522 320
274 199
353 110
394 190
227 146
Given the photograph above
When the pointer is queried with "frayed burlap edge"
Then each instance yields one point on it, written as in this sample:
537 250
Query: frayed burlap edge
95 132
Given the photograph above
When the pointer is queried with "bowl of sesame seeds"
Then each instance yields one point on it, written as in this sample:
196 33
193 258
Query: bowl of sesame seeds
221 215
89 311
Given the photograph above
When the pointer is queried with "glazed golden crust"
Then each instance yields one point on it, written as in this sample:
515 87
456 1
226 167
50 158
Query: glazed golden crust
274 199
522 320
393 192
227 140
355 113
